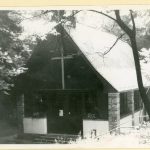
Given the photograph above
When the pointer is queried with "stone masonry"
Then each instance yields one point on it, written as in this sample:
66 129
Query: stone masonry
114 112
130 100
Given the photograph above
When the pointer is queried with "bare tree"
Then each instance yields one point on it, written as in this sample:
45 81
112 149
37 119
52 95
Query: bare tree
132 36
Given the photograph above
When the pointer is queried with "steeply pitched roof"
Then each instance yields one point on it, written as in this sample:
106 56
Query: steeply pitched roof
117 66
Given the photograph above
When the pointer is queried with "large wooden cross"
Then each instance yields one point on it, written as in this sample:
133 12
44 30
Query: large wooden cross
62 58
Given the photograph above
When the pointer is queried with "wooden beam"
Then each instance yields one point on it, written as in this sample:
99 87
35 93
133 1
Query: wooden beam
59 58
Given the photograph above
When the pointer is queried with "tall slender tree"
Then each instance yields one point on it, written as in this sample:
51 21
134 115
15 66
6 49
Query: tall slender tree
131 33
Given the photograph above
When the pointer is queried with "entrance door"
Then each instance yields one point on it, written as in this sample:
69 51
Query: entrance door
64 113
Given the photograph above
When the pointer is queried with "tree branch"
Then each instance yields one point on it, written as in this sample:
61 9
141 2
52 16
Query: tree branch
46 12
64 21
133 22
119 21
75 13
106 52
104 15
122 24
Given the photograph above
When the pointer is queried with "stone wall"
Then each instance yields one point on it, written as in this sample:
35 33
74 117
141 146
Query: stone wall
130 101
114 112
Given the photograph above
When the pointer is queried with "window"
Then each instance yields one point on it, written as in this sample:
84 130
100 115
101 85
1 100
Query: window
123 104
34 105
96 107
124 110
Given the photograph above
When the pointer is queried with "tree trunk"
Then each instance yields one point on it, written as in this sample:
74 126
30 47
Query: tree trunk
139 75
132 35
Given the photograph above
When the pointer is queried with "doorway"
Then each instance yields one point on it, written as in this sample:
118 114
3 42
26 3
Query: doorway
64 113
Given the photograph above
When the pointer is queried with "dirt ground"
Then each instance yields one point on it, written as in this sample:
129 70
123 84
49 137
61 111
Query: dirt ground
132 138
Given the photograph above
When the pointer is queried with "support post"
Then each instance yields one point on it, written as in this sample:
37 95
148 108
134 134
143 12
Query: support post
83 104
66 105
20 113
114 112
130 100
83 112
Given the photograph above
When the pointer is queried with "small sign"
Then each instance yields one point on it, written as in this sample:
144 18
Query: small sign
61 113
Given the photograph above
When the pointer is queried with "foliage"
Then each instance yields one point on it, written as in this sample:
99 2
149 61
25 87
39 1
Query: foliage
13 53
142 22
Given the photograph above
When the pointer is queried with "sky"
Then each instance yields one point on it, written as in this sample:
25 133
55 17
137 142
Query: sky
41 26
35 26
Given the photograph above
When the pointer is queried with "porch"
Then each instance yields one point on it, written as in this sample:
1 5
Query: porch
64 111
86 113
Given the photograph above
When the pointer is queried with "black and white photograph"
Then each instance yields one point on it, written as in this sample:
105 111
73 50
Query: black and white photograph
75 77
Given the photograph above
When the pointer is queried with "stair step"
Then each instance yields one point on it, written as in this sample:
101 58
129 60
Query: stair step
49 142
55 138
45 137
